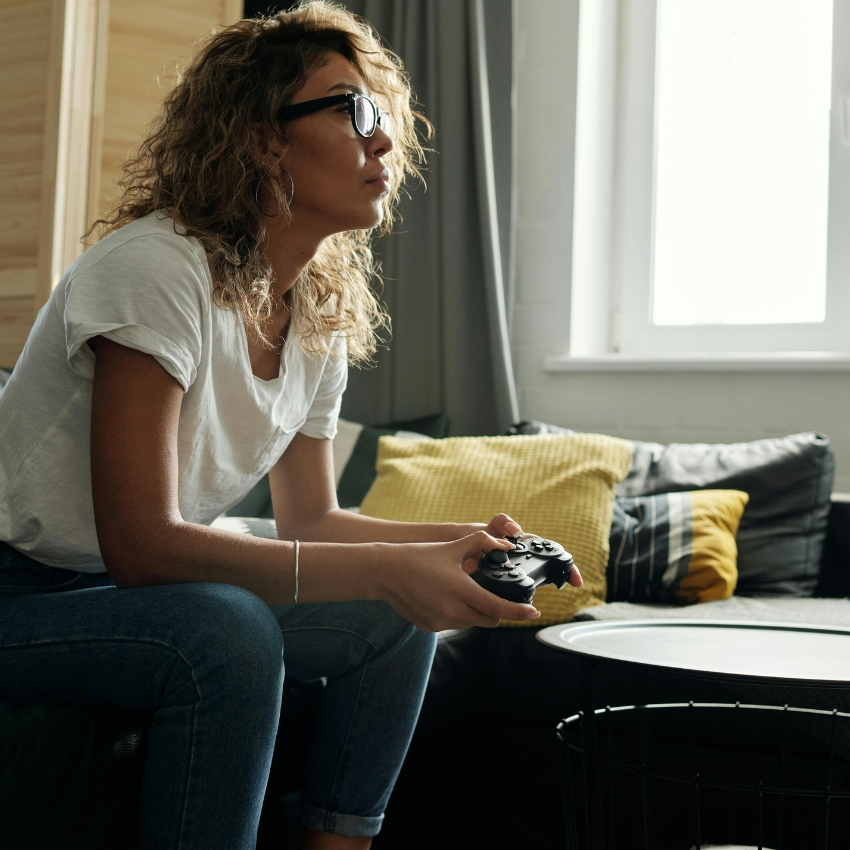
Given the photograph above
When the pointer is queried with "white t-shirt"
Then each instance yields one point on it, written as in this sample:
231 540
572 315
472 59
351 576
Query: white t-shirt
148 288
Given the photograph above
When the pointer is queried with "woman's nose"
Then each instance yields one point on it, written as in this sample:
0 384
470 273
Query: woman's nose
382 142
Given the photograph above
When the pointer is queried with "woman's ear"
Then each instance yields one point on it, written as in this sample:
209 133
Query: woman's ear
274 157
267 150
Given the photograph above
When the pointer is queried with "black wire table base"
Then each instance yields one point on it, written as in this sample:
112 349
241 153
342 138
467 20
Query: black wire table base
690 775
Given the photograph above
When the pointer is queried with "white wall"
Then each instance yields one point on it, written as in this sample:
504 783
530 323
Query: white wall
663 406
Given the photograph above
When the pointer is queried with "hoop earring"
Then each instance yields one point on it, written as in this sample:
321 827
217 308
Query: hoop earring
287 201
291 189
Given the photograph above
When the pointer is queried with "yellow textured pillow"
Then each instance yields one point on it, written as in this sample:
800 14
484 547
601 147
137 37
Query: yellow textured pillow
559 486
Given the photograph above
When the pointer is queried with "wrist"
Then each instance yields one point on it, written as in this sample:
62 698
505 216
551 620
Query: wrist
384 559
463 529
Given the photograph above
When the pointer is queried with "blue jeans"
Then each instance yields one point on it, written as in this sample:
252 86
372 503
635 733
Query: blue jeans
208 661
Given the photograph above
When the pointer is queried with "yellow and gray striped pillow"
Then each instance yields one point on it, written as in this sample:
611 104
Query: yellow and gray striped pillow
675 547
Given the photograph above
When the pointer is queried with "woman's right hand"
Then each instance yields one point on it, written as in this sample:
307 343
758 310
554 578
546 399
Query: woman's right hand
431 589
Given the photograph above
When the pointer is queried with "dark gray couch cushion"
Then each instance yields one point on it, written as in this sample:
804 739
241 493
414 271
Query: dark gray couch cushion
834 578
789 481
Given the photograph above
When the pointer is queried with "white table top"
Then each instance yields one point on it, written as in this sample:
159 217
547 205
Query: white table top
799 653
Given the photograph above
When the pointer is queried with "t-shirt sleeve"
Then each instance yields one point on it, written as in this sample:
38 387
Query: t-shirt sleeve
323 416
148 293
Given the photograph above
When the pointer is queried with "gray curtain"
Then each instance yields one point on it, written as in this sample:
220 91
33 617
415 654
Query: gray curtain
449 266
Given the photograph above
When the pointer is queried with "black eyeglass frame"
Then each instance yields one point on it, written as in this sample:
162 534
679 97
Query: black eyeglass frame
308 107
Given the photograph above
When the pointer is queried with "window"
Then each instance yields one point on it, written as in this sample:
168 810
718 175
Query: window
727 172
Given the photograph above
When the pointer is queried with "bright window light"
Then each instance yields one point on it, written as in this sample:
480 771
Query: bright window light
741 161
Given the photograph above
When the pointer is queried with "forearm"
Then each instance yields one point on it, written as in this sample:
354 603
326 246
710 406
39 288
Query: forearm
341 526
186 552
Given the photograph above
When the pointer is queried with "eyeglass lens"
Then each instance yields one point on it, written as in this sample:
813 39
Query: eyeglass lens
364 116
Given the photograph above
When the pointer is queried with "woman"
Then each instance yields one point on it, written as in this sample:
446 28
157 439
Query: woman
203 342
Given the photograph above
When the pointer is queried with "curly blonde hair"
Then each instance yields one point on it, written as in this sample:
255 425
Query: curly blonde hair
199 164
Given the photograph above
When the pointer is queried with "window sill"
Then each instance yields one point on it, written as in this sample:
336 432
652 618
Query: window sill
781 361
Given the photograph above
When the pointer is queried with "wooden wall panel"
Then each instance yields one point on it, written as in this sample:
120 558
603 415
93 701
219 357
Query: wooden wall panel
79 84
24 43
25 28
16 318
148 42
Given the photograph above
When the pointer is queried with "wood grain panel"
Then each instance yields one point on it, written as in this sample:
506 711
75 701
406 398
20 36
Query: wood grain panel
98 108
24 45
50 155
17 283
16 318
76 97
148 42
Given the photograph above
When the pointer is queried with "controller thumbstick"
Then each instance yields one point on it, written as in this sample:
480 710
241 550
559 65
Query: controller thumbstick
499 556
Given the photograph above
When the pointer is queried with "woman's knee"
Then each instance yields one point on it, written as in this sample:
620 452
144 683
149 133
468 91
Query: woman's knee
229 633
391 632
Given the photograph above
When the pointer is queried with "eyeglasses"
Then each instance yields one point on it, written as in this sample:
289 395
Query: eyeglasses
365 116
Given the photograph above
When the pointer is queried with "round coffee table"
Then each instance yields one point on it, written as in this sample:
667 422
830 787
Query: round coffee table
773 652
735 652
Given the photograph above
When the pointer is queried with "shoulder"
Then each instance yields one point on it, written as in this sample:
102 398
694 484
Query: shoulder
145 286
153 247
339 346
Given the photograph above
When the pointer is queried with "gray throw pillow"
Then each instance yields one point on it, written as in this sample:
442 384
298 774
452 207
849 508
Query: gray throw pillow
789 481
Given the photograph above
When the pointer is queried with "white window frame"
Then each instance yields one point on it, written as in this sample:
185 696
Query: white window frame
612 239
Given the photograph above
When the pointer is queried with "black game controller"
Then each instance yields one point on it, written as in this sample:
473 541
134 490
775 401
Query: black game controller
530 563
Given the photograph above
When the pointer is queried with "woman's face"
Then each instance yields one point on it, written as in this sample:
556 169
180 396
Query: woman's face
338 179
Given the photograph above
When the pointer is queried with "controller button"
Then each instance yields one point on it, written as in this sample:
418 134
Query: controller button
499 556
529 555
515 573
497 574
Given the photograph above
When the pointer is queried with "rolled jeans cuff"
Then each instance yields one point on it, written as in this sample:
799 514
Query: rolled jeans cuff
354 826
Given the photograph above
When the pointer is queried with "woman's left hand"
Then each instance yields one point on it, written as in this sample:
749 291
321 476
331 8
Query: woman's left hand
503 526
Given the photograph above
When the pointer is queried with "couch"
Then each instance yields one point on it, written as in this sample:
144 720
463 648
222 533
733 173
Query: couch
482 769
